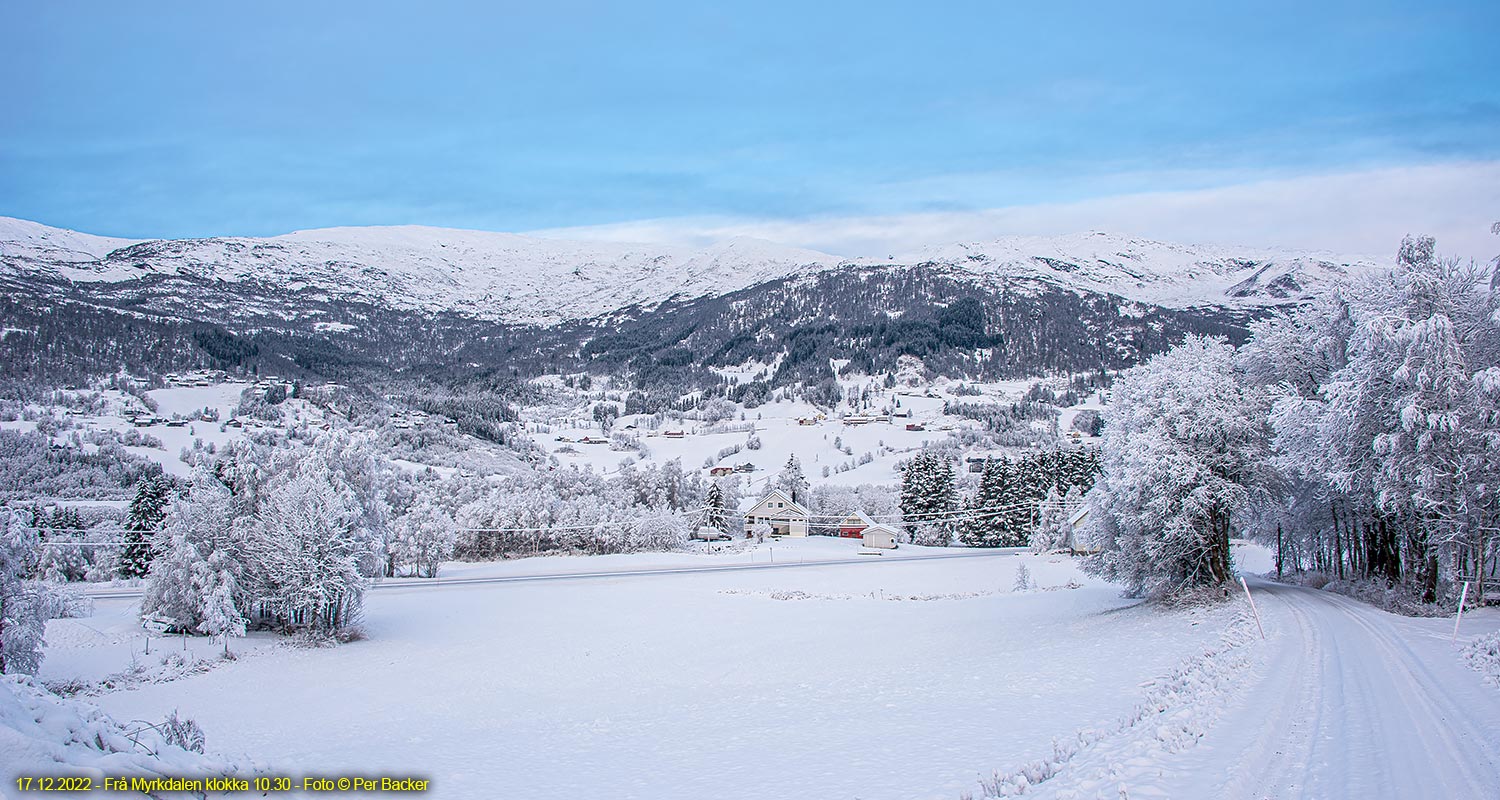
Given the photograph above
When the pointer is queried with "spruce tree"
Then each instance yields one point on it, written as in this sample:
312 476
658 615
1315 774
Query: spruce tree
147 510
716 515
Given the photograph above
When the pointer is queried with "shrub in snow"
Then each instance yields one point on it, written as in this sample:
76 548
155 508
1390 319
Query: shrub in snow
41 732
1023 579
183 733
1483 654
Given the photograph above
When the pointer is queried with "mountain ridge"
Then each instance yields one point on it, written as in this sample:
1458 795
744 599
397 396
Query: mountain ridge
528 280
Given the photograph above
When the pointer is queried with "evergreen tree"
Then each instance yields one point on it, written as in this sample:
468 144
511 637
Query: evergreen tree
147 511
792 481
928 498
716 516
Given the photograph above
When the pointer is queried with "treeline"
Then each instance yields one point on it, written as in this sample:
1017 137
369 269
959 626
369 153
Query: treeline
1357 435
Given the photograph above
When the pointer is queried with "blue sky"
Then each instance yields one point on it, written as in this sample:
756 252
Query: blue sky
194 119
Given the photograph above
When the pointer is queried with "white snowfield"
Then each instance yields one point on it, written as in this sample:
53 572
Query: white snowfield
527 279
885 679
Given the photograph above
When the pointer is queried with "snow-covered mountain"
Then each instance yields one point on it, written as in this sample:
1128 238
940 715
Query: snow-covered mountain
495 276
527 280
1159 273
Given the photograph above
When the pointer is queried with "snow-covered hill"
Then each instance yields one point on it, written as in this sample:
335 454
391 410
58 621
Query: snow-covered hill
528 280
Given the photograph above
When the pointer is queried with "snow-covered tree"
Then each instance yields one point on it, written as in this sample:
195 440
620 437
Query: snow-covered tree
142 521
715 514
1183 442
1051 530
792 481
928 498
308 546
198 525
424 538
22 617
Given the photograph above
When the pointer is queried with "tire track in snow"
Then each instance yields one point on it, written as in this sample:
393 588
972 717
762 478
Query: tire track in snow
1350 709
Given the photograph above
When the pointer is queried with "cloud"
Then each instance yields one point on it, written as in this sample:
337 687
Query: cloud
1362 213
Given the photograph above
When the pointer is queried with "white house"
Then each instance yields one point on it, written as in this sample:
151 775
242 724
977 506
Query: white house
778 510
881 535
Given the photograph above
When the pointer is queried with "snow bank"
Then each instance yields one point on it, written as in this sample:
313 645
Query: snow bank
43 734
1175 712
1483 654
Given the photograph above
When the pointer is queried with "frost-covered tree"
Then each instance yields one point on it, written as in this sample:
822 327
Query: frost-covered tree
715 514
308 546
218 610
928 498
1051 530
1384 423
792 481
22 617
1183 443
200 556
424 538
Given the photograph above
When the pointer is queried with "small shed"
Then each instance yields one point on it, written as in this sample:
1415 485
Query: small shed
853 526
1075 540
880 536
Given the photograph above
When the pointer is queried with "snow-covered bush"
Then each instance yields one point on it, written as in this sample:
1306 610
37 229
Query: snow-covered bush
1483 654
41 732
1023 579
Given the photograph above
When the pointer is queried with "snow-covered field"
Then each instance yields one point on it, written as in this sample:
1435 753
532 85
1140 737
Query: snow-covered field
881 679
828 674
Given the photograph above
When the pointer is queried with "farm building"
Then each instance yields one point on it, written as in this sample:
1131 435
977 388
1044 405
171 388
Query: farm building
853 526
880 536
719 472
779 511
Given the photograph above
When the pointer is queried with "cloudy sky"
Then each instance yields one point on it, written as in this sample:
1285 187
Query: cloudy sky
855 127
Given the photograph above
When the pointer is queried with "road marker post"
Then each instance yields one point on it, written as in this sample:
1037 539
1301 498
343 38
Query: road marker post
1464 595
1253 609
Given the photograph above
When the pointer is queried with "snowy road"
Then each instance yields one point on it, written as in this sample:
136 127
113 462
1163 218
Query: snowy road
1352 702
424 583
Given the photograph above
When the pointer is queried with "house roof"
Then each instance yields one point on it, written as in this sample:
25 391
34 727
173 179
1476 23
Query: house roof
791 505
881 527
1078 514
860 517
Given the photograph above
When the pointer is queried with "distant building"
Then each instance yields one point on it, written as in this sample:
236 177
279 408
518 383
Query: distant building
853 526
777 509
719 472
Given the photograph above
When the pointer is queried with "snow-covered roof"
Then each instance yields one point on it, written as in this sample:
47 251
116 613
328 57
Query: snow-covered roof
790 505
858 517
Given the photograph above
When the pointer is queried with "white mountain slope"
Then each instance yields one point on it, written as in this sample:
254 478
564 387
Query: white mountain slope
1161 273
529 280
